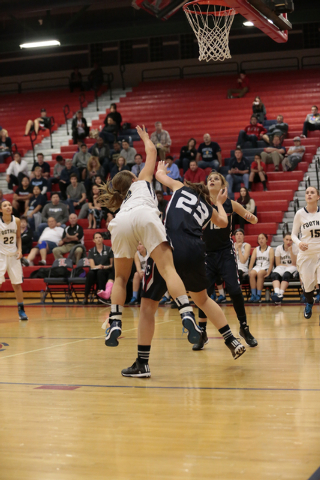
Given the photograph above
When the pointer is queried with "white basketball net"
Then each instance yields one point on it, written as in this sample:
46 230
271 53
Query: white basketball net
211 25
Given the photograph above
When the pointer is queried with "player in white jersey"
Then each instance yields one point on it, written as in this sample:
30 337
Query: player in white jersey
261 265
11 252
139 220
242 250
307 223
140 260
286 258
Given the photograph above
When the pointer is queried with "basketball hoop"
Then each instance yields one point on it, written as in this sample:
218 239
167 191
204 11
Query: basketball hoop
211 22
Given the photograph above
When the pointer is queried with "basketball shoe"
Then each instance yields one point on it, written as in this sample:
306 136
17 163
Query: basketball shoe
235 347
247 336
22 314
189 323
113 333
203 341
308 310
137 370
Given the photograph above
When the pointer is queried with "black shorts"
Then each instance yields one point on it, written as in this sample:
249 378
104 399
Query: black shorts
257 179
189 261
223 264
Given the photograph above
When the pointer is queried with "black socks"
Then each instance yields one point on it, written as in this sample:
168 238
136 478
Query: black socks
144 353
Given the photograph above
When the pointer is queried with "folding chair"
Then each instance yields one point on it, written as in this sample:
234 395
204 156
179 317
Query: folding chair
59 284
77 284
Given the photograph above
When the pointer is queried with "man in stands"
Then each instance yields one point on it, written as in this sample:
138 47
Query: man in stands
5 145
280 128
210 153
65 177
33 125
80 129
55 209
17 169
128 153
293 156
48 240
243 85
95 79
116 152
115 115
238 173
161 139
57 169
252 133
22 194
102 150
44 166
274 154
72 235
75 80
76 193
80 161
138 166
195 174
39 181
312 122
162 203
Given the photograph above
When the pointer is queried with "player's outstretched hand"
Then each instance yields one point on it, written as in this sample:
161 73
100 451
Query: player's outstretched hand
163 167
19 254
303 246
222 195
142 132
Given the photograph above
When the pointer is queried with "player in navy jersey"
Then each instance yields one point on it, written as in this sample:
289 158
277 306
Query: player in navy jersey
221 260
188 211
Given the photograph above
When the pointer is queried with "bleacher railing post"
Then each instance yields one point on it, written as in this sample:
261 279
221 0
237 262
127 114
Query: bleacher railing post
50 130
66 111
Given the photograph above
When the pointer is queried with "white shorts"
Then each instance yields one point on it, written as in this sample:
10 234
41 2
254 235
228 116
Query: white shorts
11 265
140 224
282 269
309 269
258 269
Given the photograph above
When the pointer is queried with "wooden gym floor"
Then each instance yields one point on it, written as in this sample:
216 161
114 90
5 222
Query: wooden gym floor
68 414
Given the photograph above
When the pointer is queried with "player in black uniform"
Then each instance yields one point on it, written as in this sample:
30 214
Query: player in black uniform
221 260
188 211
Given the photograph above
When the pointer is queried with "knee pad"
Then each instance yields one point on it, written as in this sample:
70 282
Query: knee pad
286 277
275 276
42 245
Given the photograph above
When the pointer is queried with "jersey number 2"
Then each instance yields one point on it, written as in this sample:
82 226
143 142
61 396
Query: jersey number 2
8 240
201 213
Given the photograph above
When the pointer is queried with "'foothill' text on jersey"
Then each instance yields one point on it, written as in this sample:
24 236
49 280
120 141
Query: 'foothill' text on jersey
217 238
309 225
8 236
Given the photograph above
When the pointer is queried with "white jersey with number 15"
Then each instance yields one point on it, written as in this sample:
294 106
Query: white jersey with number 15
308 225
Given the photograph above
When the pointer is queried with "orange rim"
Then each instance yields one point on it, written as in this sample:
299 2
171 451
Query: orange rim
222 13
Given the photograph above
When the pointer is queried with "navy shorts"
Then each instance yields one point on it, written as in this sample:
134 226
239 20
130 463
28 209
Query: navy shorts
189 261
223 264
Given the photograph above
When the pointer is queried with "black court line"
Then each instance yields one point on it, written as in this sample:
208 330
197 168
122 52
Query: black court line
164 387
316 475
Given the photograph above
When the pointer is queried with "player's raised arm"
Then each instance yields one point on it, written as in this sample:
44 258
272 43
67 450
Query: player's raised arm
242 212
151 152
219 217
162 177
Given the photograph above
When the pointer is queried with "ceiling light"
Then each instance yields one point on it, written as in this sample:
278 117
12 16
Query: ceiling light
45 43
248 24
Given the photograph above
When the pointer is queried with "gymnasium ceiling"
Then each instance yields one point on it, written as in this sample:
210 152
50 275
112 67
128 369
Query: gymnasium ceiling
79 22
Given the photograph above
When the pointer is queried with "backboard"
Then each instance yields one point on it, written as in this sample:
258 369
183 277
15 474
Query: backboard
162 9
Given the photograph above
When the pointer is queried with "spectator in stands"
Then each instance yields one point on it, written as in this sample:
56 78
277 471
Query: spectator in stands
22 194
246 202
57 169
274 154
65 175
128 153
80 161
252 133
138 165
210 152
280 129
5 146
102 151
243 253
173 172
116 152
120 165
57 210
195 174
312 122
286 270
17 170
293 156
26 236
72 236
48 240
260 267
33 208
238 172
259 110
243 85
101 273
39 180
95 210
161 139
76 194
44 166
187 154
258 172
162 203
115 115
80 129
95 78
109 132
84 211
34 125
94 169
75 80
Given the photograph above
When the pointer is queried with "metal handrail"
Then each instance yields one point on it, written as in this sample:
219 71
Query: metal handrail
307 182
277 67
122 70
285 228
310 64
50 129
143 77
82 100
317 165
66 111
12 83
33 137
110 78
184 74
296 205
14 149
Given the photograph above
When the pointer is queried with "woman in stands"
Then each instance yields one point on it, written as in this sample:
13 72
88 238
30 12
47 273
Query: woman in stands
221 261
248 204
258 172
94 169
259 110
138 220
11 253
286 258
121 164
307 222
261 265
187 153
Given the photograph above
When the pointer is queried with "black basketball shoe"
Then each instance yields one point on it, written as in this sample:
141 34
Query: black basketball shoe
203 341
236 348
137 370
247 336
189 323
113 333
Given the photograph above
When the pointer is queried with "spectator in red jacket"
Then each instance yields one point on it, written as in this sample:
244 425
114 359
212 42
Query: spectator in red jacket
195 174
243 86
252 133
258 172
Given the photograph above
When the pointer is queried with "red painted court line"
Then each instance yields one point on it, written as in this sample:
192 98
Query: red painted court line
55 387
